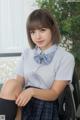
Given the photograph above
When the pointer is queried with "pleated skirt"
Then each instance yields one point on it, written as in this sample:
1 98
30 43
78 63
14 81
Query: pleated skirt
38 109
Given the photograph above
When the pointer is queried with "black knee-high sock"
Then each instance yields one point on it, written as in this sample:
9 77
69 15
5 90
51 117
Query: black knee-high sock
8 109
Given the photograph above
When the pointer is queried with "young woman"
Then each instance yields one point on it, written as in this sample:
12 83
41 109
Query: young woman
44 71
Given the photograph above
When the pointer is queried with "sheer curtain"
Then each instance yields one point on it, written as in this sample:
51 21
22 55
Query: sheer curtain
13 14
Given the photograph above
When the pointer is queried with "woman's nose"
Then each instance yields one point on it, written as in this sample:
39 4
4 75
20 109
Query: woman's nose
38 34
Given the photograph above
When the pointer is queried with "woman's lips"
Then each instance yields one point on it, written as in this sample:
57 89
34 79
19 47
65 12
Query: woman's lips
39 42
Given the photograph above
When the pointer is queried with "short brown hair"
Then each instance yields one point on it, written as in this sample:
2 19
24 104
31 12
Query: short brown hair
42 18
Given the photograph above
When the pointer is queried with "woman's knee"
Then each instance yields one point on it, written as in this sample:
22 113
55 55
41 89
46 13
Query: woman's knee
10 89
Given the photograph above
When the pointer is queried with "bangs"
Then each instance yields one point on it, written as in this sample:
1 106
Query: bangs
37 24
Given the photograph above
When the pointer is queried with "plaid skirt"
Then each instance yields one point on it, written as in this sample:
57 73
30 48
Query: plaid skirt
38 109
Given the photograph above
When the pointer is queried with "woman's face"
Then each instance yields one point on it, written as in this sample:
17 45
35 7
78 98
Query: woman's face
42 37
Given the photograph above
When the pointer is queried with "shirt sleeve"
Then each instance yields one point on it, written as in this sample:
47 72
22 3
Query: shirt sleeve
66 68
20 66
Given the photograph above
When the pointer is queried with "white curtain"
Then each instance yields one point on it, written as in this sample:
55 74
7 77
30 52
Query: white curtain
13 14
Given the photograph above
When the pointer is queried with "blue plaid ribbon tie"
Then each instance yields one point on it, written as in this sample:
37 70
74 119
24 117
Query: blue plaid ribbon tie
43 58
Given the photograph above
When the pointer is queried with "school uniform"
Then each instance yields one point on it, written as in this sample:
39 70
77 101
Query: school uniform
40 70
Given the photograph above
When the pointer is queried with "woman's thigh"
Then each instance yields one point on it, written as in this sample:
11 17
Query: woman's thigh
10 89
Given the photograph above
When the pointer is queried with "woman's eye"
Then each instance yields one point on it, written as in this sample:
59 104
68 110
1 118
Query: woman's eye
32 32
43 29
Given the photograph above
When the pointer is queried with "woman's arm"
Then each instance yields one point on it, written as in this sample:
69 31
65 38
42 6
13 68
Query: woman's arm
43 94
52 93
20 80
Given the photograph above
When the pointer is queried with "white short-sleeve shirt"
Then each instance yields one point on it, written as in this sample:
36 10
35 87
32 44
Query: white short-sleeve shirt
43 76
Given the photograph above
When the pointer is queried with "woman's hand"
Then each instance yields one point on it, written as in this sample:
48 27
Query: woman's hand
24 97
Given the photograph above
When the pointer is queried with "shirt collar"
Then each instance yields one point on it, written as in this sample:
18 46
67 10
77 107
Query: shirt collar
49 50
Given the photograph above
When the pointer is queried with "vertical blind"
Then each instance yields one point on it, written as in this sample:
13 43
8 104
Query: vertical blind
13 15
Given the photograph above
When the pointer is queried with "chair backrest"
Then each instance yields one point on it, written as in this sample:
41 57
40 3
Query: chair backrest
76 92
69 100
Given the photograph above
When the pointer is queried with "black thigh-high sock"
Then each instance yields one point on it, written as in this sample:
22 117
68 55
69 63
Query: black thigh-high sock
8 109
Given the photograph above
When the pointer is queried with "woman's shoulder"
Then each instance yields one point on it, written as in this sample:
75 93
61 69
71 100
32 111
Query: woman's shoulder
65 54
